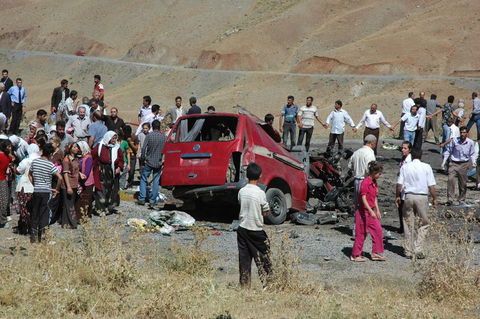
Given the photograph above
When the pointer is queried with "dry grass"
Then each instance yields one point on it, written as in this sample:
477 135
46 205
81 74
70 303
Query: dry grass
449 274
102 271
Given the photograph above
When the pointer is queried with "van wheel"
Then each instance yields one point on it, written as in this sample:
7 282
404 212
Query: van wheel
278 206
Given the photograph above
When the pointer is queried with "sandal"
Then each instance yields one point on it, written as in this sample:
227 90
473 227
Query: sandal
377 257
358 259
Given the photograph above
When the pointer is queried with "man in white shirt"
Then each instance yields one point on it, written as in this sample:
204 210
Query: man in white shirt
406 106
454 132
155 115
306 121
410 122
71 103
422 117
145 109
417 181
372 119
338 117
359 163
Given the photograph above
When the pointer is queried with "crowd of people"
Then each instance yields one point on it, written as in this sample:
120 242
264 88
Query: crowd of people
73 159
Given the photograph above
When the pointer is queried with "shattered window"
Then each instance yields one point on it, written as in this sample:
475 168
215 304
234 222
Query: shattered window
206 129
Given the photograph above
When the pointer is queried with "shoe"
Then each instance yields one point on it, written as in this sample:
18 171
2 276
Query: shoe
358 259
5 226
378 257
449 203
140 202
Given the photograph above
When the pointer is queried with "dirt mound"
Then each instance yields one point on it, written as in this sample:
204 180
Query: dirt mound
323 64
210 59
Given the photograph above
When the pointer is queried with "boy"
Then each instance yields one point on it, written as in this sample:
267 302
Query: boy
40 174
251 238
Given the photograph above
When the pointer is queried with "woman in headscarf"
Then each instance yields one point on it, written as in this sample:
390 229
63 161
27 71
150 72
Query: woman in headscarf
84 203
107 165
19 147
71 175
32 128
25 189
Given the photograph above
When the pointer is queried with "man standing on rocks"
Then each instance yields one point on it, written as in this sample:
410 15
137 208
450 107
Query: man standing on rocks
462 155
306 120
372 119
417 181
431 119
406 106
338 117
287 121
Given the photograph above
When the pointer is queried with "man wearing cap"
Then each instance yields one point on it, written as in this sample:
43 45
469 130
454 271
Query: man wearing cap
372 119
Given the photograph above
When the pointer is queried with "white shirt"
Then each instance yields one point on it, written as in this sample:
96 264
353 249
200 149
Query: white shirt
407 105
372 121
308 114
179 111
411 121
338 119
144 112
416 177
454 131
359 161
70 104
422 113
148 119
253 202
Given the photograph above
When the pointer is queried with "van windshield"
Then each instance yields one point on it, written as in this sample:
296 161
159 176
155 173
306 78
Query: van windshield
206 129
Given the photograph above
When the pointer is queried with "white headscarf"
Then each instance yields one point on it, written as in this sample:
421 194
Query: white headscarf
33 151
83 147
19 145
113 147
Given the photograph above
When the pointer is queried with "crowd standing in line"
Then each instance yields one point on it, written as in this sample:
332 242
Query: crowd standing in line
72 162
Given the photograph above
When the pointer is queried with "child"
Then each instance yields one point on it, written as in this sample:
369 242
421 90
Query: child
367 217
251 238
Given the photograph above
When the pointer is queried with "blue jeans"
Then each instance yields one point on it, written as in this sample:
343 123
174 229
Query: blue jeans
474 119
445 135
146 171
409 136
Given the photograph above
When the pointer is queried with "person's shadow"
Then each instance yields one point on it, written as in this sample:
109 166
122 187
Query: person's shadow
347 251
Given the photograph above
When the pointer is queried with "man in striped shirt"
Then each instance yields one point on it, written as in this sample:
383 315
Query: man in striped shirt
40 174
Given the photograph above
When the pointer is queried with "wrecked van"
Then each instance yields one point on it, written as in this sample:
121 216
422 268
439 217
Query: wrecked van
206 156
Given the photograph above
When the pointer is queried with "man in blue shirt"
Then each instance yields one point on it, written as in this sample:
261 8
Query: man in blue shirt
96 130
194 108
288 121
18 95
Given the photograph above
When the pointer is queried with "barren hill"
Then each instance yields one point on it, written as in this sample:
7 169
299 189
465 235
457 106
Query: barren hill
273 38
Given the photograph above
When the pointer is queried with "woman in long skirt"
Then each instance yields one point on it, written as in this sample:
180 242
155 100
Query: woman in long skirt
71 173
108 163
25 189
84 204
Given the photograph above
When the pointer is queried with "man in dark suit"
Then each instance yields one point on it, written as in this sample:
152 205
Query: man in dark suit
59 95
5 104
6 80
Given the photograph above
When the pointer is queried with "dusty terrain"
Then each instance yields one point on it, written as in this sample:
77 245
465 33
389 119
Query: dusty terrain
252 53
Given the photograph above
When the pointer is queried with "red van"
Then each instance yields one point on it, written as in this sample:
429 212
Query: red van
206 158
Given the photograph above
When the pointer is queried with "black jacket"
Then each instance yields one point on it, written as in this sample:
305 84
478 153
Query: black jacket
6 104
57 96
7 82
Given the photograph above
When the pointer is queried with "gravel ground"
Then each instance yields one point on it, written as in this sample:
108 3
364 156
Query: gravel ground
323 249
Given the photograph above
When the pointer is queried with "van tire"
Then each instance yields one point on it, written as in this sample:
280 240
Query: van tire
278 206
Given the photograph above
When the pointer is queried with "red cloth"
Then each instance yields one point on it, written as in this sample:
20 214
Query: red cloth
4 162
364 222
104 158
370 189
99 87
